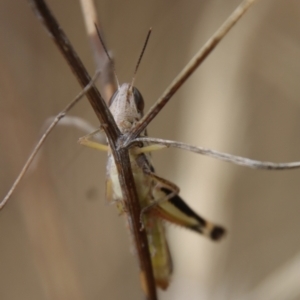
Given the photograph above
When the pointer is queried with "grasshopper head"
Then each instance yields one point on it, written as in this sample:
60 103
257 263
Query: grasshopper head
126 105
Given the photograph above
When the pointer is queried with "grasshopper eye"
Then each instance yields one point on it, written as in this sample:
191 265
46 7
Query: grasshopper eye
138 99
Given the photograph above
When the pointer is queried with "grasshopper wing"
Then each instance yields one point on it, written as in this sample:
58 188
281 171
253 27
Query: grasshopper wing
160 254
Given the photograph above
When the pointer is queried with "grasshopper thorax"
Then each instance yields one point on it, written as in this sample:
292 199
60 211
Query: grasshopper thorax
126 105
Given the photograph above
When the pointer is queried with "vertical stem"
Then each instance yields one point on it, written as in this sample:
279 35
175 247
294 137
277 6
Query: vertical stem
113 134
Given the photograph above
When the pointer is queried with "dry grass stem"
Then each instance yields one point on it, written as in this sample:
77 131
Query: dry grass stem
188 70
238 160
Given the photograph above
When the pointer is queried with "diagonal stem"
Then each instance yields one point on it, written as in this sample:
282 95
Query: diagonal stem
65 47
113 135
194 63
44 137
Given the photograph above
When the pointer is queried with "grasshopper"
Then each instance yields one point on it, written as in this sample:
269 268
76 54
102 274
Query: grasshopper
159 198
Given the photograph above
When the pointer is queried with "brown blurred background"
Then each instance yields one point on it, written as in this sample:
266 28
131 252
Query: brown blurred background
59 239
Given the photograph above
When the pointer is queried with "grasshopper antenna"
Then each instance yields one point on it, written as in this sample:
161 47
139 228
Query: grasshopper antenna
108 56
140 58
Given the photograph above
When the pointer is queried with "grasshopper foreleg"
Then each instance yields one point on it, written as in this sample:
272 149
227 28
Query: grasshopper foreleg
86 141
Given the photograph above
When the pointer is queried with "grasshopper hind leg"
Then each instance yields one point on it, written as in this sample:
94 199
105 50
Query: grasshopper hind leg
176 211
169 206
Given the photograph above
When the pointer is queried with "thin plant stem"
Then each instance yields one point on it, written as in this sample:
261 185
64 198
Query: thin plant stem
188 70
44 137
60 39
102 60
238 160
